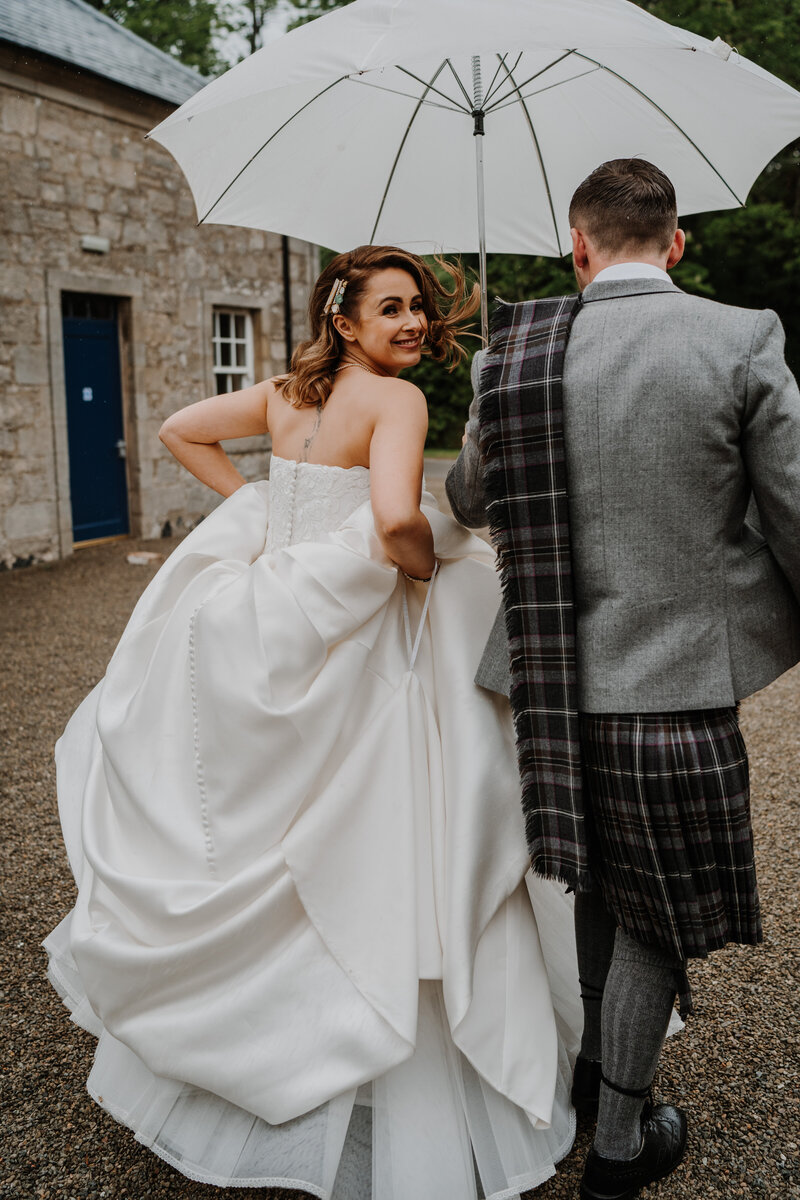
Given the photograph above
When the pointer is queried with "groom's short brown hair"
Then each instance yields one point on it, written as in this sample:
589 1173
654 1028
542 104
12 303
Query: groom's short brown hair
626 203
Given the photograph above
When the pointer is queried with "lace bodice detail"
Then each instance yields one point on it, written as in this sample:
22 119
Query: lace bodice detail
308 499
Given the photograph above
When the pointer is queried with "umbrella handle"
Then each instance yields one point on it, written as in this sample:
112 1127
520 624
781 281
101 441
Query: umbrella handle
482 240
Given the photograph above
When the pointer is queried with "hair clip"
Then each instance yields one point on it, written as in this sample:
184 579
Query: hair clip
335 297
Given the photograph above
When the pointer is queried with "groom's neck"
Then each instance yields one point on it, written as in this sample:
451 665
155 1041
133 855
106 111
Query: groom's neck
652 259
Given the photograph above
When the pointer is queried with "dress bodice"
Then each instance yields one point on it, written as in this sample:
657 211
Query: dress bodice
308 499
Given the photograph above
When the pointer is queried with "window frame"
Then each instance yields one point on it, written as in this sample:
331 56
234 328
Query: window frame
235 377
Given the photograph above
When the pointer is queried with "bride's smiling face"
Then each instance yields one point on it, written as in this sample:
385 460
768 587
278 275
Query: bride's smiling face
391 323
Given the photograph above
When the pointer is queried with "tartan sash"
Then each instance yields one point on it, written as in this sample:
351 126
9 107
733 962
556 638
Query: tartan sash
521 440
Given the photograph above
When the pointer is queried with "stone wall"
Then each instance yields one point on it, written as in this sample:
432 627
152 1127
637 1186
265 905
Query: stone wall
76 163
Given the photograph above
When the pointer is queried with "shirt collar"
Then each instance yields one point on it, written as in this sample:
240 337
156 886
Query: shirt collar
631 270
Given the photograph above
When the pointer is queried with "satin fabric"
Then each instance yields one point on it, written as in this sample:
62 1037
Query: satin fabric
277 828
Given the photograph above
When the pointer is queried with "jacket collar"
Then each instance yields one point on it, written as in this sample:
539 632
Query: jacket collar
612 289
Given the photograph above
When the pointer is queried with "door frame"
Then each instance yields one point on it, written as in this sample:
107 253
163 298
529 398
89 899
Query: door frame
127 291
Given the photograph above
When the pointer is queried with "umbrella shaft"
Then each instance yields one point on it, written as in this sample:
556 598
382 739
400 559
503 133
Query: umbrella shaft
482 237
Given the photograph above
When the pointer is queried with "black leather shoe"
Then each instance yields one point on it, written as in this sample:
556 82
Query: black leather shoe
663 1147
586 1086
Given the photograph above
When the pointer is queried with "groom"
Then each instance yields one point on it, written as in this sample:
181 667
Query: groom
658 522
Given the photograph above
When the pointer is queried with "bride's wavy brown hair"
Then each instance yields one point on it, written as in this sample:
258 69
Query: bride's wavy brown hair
312 371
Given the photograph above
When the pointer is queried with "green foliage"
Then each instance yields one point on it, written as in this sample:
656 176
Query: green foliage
186 29
247 17
309 10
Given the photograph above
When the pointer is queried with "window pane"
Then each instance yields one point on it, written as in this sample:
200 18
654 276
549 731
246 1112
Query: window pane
239 320
225 325
85 305
221 384
241 354
224 359
102 308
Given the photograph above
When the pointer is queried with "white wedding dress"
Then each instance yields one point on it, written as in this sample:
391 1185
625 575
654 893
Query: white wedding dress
304 936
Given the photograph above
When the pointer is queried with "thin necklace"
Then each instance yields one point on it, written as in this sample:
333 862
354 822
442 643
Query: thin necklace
356 362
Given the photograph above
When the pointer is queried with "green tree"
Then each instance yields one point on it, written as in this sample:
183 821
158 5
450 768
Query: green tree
309 10
247 17
186 29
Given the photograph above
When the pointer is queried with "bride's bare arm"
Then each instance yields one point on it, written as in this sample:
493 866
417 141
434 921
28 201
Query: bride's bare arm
395 460
193 434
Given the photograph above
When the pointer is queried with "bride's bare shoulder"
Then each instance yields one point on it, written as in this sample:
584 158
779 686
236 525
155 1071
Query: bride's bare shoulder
399 410
390 391
273 386
274 396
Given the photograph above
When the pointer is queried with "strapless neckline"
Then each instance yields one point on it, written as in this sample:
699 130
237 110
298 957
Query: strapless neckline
296 462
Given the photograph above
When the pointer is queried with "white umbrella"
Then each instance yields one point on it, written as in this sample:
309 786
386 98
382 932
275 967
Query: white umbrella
372 124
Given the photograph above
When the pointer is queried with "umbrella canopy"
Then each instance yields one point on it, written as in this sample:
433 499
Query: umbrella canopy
358 127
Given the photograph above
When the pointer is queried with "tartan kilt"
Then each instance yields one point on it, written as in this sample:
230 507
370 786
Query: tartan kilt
670 840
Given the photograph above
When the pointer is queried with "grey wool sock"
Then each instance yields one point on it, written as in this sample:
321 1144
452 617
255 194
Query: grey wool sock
637 1001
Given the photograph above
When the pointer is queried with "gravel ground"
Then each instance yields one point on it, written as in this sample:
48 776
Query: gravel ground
735 1068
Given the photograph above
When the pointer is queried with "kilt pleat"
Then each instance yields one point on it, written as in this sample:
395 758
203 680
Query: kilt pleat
671 842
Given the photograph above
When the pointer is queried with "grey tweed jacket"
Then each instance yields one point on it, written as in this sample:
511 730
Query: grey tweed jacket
682 430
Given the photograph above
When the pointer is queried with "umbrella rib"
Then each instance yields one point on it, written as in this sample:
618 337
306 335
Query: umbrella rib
518 87
539 152
667 117
429 88
406 95
487 97
548 88
271 138
403 141
457 78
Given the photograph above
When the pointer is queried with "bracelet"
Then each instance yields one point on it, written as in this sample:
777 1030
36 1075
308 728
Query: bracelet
422 578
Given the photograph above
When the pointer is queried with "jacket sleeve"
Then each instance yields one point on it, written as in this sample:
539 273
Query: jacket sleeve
464 482
771 444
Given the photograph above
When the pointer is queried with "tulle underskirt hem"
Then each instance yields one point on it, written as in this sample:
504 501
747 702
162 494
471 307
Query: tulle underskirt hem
430 1127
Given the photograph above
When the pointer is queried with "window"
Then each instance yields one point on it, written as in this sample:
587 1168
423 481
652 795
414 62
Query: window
88 307
233 349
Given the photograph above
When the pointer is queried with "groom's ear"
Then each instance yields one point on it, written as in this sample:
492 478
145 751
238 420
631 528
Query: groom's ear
676 249
580 255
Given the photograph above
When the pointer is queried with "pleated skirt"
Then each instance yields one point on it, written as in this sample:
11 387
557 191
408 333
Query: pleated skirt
671 840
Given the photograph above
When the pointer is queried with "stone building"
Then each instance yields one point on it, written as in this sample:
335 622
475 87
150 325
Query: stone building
117 308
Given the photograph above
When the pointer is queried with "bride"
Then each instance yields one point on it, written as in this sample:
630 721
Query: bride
303 935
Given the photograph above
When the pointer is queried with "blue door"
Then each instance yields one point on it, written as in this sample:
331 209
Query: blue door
97 476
